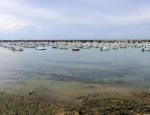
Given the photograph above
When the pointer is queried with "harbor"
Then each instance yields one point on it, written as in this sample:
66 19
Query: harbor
75 45
118 63
62 74
75 57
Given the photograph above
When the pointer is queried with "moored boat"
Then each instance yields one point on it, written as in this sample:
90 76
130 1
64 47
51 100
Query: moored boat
105 48
146 49
17 48
40 48
75 49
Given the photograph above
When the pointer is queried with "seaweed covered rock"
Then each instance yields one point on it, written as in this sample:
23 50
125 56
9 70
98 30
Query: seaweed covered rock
94 104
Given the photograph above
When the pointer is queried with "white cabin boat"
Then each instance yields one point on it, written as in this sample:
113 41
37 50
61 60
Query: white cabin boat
146 49
105 48
75 49
40 48
17 48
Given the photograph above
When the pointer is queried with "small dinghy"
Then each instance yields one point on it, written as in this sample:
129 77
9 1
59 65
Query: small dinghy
105 48
17 48
145 49
40 48
75 49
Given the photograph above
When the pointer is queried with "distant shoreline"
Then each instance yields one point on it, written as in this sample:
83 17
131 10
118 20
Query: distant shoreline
74 40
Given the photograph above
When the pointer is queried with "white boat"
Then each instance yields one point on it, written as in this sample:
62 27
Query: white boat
17 48
75 49
123 46
54 46
115 46
146 49
63 47
105 48
85 47
40 48
30 46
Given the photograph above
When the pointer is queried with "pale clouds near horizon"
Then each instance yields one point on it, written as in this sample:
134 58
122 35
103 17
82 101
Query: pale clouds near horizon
58 19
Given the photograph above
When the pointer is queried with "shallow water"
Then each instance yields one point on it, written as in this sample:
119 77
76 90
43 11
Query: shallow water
127 67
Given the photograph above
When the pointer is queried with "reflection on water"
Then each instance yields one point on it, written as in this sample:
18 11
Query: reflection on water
121 67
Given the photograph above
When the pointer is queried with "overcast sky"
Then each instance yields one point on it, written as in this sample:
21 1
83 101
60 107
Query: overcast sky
74 19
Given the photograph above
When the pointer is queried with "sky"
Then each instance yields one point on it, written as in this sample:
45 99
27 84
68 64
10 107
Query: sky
74 19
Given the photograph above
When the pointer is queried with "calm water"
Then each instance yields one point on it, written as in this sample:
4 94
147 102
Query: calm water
129 67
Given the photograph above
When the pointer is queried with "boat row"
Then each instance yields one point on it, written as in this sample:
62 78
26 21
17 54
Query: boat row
75 46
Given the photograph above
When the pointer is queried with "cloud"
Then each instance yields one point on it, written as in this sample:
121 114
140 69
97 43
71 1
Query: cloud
115 14
74 16
129 19
74 13
18 13
9 22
